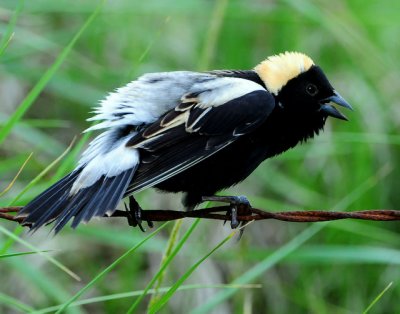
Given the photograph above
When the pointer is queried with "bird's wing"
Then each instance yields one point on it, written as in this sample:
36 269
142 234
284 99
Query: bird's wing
180 132
93 189
107 166
144 100
208 118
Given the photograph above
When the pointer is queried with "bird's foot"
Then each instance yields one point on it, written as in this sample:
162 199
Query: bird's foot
135 214
239 205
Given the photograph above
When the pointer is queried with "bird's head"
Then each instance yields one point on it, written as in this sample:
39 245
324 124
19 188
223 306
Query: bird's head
300 86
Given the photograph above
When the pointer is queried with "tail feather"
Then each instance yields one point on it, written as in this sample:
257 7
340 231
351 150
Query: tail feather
95 205
90 207
106 199
57 204
108 185
51 214
44 207
119 187
76 204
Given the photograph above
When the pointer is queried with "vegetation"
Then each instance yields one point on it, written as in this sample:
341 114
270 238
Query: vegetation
59 58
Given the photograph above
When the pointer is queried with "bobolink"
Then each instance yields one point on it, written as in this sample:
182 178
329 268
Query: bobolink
190 132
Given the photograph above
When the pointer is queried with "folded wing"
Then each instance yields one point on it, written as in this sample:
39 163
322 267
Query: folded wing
208 118
152 133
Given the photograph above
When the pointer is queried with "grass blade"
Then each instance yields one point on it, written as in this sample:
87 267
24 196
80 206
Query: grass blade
9 186
380 295
9 33
15 304
130 294
43 283
42 173
164 265
18 230
290 246
261 267
108 269
41 84
41 252
69 161
160 304
213 34
20 254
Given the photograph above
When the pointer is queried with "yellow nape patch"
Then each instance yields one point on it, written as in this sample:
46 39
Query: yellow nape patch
277 70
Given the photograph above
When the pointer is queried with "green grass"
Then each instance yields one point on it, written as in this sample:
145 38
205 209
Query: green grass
100 276
171 251
58 59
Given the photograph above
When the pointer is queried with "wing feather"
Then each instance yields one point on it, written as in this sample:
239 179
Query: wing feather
157 127
205 127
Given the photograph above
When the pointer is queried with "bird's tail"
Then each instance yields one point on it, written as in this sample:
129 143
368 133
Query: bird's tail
60 203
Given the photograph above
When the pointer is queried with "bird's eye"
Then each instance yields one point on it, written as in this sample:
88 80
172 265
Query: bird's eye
311 89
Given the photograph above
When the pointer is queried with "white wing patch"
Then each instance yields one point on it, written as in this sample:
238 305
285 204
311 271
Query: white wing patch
109 164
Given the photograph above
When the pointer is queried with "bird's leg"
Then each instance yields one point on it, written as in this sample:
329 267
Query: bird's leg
135 214
239 205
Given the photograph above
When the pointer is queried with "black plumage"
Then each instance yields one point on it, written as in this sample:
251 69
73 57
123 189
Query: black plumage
282 129
196 133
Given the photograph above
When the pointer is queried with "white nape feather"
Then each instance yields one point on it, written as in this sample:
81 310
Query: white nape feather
220 91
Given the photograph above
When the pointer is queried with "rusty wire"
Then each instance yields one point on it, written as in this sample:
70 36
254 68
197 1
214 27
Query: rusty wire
222 213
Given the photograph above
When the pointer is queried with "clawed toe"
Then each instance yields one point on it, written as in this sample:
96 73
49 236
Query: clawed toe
239 205
135 214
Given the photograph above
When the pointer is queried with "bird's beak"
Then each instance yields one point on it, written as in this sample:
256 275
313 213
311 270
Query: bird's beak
329 110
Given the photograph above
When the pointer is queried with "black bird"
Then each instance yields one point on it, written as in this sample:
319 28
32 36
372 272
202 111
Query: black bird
193 132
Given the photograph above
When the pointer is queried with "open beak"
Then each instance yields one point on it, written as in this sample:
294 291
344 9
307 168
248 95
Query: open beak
329 110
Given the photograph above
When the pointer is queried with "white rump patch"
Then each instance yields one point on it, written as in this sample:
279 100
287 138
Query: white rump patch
110 164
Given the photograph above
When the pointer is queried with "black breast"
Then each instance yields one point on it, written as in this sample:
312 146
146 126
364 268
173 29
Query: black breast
237 161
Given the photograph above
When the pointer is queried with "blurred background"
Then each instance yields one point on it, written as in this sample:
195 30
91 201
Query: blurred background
336 267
